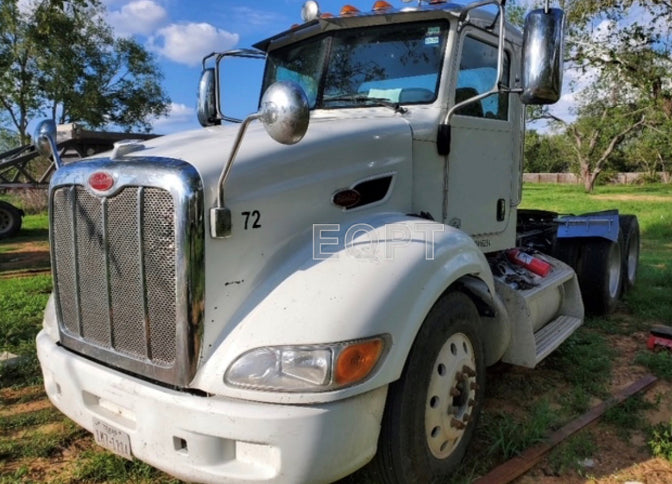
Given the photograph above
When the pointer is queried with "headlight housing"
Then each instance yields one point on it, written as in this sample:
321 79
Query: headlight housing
315 368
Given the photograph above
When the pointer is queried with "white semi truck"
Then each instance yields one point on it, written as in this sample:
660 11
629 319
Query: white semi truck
229 309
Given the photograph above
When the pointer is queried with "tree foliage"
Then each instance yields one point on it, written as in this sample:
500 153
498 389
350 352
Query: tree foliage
62 60
621 51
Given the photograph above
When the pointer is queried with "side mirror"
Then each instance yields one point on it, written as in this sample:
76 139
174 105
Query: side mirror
285 112
207 99
543 56
45 141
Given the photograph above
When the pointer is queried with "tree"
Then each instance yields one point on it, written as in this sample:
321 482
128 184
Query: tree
624 56
547 153
64 60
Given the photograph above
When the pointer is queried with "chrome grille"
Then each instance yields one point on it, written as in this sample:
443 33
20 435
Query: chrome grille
114 265
128 265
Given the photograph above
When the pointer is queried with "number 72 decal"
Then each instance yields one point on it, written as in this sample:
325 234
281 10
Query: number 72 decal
252 219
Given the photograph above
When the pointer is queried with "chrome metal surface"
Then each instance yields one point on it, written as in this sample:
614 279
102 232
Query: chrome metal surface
211 97
500 56
128 265
45 141
543 56
285 112
207 100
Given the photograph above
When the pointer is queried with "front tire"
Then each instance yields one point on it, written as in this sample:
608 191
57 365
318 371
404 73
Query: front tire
432 410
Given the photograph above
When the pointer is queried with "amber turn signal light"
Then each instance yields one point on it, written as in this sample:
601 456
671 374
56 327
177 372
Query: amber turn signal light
355 362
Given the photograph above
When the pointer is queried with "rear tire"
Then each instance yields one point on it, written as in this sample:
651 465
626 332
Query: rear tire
631 245
432 410
568 251
10 220
600 273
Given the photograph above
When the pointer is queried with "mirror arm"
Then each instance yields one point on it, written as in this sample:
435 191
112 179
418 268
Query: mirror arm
234 152
500 59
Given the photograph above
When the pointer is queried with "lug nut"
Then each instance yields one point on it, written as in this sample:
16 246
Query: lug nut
470 372
471 402
474 386
454 392
457 424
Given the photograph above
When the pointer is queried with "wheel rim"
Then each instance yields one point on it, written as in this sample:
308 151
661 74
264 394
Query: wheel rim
614 271
5 221
633 257
451 395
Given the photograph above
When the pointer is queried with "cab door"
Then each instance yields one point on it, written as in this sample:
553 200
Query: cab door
485 147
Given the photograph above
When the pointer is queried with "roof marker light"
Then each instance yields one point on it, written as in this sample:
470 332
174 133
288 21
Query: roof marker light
327 15
349 11
381 6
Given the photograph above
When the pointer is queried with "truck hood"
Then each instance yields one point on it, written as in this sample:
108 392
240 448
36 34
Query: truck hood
330 143
277 194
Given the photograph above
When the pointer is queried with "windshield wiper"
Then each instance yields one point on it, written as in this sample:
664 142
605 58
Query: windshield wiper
374 101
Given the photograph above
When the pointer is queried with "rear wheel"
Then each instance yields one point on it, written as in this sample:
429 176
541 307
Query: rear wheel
432 410
10 220
600 275
630 232
568 251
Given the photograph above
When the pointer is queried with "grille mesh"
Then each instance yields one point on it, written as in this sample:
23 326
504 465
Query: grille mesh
114 265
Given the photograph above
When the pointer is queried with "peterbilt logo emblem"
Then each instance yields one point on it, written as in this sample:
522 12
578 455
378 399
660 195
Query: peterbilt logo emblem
101 181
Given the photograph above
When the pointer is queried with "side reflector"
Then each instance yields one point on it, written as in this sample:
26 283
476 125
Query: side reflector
101 181
356 361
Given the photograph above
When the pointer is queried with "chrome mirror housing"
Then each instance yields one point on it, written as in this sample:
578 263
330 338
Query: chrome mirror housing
45 141
285 112
207 98
543 56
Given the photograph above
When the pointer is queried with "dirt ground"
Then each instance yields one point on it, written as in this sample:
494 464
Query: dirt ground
616 460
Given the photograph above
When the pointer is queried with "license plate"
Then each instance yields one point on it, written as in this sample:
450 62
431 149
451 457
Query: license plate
112 439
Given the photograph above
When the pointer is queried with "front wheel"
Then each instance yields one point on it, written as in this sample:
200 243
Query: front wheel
433 408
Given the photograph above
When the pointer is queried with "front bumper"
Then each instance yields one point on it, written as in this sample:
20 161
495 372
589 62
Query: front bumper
215 439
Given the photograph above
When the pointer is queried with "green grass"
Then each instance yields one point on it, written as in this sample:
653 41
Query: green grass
572 452
660 441
535 402
97 466
22 302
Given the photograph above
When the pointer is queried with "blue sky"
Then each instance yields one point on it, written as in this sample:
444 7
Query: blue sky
181 32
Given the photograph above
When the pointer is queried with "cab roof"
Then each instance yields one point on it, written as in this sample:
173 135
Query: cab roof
326 23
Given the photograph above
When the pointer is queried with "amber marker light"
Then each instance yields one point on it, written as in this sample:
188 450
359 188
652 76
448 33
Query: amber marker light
355 362
349 11
381 6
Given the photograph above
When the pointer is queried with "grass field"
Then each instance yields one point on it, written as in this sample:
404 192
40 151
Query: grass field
38 444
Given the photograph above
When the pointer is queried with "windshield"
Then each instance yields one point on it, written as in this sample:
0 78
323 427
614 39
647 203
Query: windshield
363 67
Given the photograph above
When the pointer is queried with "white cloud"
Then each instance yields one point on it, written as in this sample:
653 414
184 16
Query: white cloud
177 114
137 17
188 43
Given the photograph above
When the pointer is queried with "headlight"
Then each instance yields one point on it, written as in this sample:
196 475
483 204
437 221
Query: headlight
314 368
